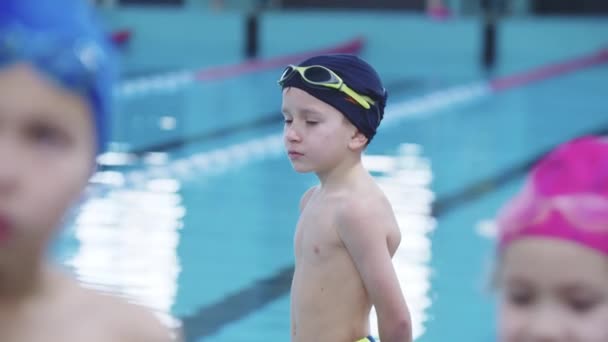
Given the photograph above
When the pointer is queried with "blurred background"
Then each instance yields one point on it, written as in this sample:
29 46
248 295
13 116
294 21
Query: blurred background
192 212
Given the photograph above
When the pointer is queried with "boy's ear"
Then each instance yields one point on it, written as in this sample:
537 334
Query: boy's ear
357 141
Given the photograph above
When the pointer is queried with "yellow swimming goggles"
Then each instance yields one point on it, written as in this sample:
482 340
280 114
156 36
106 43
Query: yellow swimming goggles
321 76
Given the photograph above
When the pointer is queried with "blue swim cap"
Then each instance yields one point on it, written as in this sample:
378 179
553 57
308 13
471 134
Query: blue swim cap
64 40
358 75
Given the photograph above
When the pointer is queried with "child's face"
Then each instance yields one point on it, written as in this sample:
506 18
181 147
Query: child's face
47 149
553 290
316 135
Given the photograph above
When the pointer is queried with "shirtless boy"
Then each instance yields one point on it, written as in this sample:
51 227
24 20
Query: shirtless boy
347 233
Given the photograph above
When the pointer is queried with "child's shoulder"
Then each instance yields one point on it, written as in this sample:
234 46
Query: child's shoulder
363 204
139 323
306 196
366 196
364 208
125 320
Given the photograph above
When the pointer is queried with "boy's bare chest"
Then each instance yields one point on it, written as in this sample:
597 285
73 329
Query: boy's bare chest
316 235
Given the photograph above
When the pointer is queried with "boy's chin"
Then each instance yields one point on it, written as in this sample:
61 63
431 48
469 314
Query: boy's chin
300 169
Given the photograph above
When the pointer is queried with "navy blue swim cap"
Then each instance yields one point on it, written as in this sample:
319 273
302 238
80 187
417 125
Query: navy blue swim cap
63 40
358 75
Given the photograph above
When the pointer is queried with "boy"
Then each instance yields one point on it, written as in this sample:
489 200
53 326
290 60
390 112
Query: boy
347 233
54 89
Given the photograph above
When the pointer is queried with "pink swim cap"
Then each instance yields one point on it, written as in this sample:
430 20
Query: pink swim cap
564 197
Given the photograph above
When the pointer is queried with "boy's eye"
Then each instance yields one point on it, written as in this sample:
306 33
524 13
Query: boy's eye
46 135
309 122
520 298
288 120
582 304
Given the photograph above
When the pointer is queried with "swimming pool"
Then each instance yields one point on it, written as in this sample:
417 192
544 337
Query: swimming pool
198 223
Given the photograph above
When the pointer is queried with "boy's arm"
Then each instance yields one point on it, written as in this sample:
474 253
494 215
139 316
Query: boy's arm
364 229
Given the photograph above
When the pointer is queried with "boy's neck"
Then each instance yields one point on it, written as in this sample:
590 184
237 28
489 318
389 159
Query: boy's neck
340 175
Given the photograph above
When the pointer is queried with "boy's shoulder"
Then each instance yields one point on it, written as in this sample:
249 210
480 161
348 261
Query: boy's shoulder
365 209
365 195
136 322
118 317
306 196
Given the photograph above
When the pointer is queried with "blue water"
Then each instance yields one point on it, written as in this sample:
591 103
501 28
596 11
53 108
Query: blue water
202 232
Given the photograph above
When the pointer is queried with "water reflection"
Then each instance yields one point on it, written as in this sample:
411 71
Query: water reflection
405 179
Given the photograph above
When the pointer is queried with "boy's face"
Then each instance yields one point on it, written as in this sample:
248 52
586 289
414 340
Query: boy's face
316 135
553 290
47 150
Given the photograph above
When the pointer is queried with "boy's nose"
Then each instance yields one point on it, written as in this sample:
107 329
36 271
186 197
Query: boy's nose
545 327
291 134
